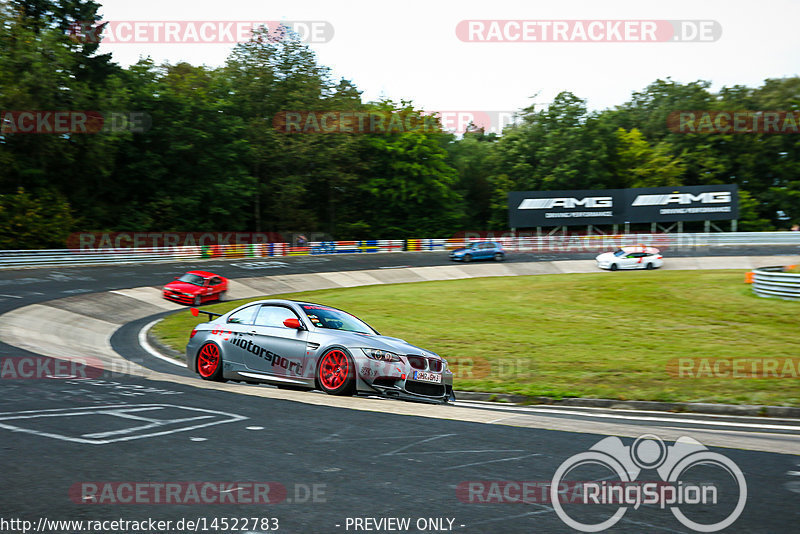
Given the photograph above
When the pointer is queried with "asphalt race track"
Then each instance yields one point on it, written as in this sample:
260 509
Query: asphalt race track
69 446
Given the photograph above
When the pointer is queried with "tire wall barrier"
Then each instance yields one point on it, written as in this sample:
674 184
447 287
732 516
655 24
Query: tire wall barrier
774 282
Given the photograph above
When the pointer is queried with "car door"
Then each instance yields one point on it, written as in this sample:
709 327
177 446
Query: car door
634 260
235 334
215 285
483 250
277 350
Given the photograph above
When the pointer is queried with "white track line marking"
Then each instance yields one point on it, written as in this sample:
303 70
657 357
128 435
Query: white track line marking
149 348
545 407
528 411
115 410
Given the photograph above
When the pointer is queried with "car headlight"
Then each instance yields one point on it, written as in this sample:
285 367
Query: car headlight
381 355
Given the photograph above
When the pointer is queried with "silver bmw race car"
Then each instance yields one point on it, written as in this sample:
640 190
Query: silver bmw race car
300 345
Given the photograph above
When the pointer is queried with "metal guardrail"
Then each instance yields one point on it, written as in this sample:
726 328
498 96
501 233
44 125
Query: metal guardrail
774 282
748 238
524 243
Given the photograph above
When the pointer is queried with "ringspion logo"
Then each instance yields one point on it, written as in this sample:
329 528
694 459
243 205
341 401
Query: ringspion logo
676 491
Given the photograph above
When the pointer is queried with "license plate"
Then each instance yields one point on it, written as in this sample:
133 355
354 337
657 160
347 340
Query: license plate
424 376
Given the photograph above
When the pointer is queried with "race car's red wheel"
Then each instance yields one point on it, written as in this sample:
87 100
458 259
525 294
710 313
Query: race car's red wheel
209 362
336 373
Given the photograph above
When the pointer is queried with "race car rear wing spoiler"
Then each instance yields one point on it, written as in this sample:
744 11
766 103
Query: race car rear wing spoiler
211 315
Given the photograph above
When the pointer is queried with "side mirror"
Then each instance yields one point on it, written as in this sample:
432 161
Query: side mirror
293 323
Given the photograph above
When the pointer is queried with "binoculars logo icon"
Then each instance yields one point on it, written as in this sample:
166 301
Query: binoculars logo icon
648 452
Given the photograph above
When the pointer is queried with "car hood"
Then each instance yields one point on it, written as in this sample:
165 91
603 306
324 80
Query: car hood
605 256
392 344
183 286
460 251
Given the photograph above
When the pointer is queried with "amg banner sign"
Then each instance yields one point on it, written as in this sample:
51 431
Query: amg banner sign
617 206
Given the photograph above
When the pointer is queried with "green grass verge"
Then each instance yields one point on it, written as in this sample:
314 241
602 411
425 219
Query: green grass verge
606 335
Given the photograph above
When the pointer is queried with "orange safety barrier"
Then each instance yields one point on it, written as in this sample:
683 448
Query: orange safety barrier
748 277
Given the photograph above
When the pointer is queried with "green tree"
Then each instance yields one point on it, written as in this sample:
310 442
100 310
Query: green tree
408 187
641 165
471 158
188 171
27 221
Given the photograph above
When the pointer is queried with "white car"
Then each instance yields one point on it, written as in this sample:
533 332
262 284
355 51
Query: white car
638 257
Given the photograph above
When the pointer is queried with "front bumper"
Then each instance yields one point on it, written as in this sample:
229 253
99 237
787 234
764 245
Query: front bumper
176 297
403 390
397 381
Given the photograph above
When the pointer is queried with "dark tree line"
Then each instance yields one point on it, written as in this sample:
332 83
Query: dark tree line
211 158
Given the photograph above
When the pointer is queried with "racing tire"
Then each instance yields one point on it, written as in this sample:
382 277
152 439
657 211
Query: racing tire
467 258
614 267
197 300
649 266
336 373
498 257
209 363
221 295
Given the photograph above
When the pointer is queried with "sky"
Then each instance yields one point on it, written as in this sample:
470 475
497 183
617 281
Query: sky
410 49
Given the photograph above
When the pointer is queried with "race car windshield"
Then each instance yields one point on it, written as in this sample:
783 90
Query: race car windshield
620 252
192 279
322 317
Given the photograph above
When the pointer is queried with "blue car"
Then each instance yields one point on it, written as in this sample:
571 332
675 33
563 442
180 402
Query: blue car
484 250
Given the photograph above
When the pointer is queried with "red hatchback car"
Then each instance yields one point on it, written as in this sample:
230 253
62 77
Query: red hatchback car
196 287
